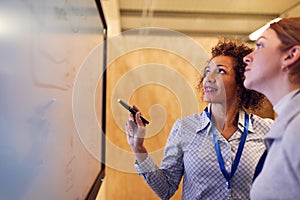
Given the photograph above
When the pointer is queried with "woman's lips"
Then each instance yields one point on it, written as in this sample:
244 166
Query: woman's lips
209 89
247 69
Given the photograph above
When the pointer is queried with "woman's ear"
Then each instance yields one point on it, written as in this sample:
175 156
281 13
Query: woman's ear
292 56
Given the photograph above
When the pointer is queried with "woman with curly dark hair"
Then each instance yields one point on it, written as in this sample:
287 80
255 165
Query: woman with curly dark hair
217 150
248 99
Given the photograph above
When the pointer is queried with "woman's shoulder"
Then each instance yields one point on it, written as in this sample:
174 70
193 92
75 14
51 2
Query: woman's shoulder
192 117
292 126
260 121
194 121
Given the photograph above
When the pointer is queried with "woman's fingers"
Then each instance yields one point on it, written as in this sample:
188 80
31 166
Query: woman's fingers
136 108
138 119
129 127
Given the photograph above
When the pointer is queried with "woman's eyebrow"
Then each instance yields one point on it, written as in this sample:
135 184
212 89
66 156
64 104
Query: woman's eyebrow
215 66
261 37
221 65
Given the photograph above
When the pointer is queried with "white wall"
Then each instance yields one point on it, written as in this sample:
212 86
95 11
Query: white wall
43 45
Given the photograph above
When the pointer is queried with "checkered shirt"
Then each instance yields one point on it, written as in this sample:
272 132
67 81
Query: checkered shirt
190 153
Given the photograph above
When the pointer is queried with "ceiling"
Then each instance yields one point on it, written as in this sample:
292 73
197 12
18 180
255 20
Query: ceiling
221 18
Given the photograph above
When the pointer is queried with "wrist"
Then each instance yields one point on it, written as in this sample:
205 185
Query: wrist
140 154
138 149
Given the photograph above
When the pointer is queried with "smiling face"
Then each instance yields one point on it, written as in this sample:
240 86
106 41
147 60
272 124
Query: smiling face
219 81
264 64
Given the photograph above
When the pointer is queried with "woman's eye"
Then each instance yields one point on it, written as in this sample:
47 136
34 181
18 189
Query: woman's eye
221 71
258 45
206 72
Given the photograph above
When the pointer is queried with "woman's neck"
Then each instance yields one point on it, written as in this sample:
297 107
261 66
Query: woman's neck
277 88
225 119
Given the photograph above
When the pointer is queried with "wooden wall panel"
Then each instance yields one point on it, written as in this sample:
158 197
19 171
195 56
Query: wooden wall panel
161 103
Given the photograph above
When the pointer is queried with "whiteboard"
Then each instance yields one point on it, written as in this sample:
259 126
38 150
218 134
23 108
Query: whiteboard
44 50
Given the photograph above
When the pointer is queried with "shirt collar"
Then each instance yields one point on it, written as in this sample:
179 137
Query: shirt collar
241 123
284 101
205 122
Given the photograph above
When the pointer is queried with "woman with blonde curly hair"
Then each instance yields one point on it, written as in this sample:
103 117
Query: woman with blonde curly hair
216 151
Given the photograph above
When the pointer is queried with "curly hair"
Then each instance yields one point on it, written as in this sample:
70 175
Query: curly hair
248 99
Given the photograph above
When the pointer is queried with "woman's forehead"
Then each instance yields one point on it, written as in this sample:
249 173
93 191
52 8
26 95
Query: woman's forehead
226 61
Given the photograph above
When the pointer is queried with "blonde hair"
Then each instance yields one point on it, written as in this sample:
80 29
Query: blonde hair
288 32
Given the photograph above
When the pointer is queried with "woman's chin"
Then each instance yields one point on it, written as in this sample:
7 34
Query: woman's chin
247 84
208 99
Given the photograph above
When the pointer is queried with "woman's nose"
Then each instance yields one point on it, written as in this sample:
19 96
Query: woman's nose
247 59
210 78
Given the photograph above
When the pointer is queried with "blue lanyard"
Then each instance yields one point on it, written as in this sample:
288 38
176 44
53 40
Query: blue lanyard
239 151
